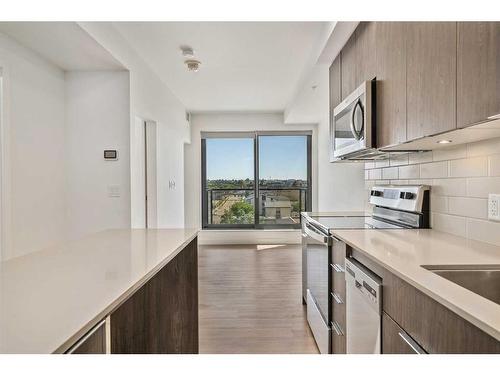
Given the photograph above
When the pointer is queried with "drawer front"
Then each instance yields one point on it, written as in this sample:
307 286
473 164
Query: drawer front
338 280
338 324
338 339
338 252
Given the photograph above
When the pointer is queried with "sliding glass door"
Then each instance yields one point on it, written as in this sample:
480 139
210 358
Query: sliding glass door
283 188
231 165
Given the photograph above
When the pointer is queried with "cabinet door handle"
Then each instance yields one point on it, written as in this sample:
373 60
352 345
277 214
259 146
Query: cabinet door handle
337 267
411 343
86 336
337 298
337 329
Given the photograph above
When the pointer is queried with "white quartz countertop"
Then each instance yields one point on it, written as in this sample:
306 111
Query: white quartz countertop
49 298
404 251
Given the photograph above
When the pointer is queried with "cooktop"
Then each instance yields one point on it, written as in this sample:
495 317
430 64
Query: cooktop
327 223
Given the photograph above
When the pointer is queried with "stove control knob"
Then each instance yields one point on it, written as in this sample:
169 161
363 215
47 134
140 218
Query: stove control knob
409 195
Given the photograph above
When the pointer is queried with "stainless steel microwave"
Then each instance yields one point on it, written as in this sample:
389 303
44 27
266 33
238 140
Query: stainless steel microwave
352 126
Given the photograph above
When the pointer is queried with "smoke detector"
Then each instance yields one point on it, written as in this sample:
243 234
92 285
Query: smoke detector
192 65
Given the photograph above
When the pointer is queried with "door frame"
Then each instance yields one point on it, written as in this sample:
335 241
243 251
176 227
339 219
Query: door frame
144 162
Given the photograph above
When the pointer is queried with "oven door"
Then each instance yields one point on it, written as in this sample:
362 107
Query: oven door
318 285
351 126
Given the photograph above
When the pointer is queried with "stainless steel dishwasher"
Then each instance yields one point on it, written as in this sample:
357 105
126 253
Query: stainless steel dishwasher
363 309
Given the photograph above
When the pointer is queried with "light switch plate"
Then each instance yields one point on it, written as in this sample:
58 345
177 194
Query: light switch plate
494 207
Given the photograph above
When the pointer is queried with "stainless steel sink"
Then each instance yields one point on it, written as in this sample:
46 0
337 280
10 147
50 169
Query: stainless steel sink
481 279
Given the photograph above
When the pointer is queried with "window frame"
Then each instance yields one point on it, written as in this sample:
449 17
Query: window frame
256 188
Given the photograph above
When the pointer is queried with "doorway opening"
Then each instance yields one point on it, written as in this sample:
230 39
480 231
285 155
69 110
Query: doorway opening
146 189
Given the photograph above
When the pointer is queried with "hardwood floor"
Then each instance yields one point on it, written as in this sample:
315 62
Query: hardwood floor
250 300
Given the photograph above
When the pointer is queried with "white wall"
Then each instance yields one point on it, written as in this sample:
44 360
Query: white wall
97 118
151 99
229 122
33 139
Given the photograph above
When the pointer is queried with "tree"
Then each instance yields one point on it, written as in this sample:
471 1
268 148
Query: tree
239 213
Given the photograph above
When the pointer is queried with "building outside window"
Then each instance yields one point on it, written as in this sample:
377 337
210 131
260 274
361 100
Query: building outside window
280 162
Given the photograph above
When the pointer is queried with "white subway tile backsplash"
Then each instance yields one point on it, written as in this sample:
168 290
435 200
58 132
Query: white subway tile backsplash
439 203
480 187
375 174
398 160
461 177
450 224
494 165
434 170
420 157
382 163
470 207
409 171
390 173
482 148
474 167
420 182
450 153
482 230
450 186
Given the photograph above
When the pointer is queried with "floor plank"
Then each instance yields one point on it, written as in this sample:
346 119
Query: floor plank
250 300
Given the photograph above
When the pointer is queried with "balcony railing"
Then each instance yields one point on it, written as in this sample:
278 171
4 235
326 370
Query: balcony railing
276 206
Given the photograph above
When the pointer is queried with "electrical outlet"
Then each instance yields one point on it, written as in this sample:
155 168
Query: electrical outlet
494 207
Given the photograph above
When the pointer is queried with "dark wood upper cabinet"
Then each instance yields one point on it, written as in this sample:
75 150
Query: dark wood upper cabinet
391 83
366 36
348 67
335 85
431 60
478 72
358 58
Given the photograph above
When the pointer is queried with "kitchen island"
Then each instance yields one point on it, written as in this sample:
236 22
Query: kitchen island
133 282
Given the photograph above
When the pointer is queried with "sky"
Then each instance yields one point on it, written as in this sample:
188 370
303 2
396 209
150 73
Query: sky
280 157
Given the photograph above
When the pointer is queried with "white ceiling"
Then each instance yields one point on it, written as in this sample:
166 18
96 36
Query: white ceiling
65 44
246 66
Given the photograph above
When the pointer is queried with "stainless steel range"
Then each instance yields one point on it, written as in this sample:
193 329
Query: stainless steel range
394 207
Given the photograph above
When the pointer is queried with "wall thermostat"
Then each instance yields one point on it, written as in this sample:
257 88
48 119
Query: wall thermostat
110 155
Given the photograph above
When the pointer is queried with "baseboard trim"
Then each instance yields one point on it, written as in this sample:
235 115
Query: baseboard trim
249 237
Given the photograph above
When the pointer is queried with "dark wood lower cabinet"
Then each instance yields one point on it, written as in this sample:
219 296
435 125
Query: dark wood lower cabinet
395 340
435 328
162 316
92 343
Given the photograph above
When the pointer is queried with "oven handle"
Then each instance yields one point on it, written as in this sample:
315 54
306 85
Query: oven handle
315 235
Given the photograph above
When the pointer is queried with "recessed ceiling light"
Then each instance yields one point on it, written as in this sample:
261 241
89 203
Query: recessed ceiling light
444 141
187 51
192 65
